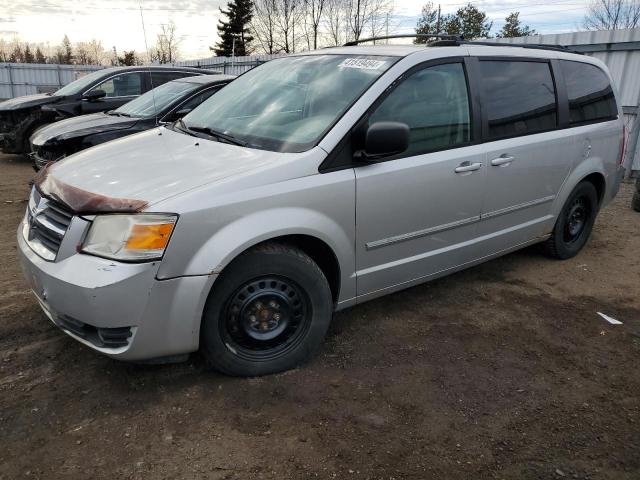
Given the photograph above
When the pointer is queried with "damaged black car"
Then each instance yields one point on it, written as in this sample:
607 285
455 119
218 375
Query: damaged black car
164 104
97 91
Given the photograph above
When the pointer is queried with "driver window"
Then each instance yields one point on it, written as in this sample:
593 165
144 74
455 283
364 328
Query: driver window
434 103
127 85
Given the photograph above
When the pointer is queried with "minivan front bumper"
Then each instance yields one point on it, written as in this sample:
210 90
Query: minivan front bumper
116 308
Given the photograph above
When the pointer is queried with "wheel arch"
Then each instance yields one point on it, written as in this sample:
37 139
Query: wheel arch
317 249
592 171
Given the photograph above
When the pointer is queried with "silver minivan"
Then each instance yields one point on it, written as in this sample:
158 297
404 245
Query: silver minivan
313 183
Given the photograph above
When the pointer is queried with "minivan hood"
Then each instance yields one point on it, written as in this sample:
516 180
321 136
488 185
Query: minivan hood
28 101
81 126
155 165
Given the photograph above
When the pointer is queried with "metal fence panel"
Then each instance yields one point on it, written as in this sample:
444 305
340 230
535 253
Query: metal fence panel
17 79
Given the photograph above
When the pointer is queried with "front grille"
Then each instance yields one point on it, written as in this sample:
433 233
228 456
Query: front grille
47 223
100 337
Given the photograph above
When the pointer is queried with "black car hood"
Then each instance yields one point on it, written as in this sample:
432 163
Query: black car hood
28 101
81 126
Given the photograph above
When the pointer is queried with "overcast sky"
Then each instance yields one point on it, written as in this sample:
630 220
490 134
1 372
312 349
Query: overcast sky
118 23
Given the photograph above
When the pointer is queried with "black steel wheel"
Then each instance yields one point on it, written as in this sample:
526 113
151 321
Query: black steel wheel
575 222
266 317
577 216
267 312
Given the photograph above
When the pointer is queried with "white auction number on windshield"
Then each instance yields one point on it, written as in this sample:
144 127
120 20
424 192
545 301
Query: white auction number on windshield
363 63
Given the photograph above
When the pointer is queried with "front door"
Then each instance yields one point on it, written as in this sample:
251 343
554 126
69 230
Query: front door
119 90
417 213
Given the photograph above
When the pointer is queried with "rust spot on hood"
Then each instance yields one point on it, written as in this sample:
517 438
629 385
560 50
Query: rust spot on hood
81 201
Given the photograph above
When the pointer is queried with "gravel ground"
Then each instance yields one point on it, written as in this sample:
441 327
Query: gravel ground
502 371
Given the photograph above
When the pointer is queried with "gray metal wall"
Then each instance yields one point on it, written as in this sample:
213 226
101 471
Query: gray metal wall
620 51
17 79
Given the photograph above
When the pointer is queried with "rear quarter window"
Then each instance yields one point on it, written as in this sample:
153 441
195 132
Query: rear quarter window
590 94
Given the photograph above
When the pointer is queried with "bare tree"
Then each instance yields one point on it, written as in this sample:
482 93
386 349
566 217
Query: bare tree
612 14
313 11
289 13
97 52
335 22
83 55
367 16
263 24
167 43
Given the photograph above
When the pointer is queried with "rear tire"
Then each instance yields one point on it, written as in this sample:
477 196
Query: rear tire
268 312
575 222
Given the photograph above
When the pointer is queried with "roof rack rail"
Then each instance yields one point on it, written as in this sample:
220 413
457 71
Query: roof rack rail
443 36
536 46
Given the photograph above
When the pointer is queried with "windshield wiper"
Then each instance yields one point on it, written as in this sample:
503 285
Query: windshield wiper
217 134
180 125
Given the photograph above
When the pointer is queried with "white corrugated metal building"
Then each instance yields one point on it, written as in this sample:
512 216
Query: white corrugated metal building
620 51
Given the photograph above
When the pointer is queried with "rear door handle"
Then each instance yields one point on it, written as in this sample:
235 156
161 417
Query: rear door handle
468 167
502 161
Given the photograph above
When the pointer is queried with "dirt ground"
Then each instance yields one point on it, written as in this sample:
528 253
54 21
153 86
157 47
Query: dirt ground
502 371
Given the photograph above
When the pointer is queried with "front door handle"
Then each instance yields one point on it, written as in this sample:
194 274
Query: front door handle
502 161
468 167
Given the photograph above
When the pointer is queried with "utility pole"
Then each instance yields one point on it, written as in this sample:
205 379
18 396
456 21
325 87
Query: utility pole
438 21
387 34
293 23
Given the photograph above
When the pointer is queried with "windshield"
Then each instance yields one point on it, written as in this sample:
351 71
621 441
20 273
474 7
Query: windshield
289 103
80 84
156 100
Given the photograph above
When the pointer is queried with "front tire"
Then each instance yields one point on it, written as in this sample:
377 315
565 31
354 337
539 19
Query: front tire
575 222
268 312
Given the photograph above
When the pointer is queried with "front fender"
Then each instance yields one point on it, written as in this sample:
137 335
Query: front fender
206 240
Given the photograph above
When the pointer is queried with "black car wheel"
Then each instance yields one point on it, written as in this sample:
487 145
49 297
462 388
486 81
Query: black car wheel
575 222
268 312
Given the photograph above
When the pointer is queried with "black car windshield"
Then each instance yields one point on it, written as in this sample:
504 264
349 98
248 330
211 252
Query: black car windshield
81 84
156 100
288 104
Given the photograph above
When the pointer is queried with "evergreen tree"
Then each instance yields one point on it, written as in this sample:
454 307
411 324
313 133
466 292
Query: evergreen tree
40 58
67 50
17 55
427 23
469 22
235 28
514 28
128 59
27 55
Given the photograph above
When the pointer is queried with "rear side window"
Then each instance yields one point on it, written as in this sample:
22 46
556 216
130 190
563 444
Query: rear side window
433 102
520 97
590 94
158 78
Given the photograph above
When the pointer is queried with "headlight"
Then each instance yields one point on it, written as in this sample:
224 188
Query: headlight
130 237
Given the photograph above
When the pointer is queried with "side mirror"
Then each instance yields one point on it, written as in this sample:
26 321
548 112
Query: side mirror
94 95
384 139
182 112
